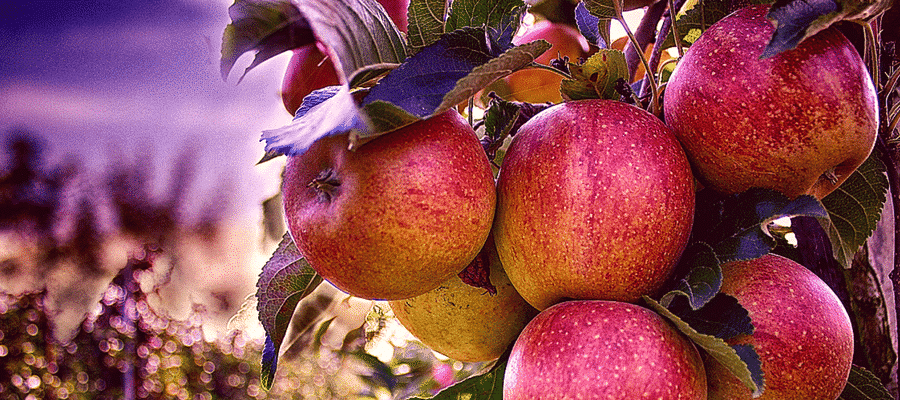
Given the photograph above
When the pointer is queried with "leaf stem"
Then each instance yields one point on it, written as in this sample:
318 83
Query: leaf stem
654 98
549 68
872 53
672 15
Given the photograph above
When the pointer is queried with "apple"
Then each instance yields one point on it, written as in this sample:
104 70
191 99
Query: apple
595 349
398 11
464 322
799 122
396 217
802 332
541 86
595 200
308 69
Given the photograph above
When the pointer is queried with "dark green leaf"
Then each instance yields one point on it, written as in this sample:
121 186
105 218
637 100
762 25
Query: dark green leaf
596 78
484 13
267 27
722 317
695 21
488 386
737 226
589 25
285 280
357 33
704 277
796 20
864 385
426 22
420 84
742 360
854 208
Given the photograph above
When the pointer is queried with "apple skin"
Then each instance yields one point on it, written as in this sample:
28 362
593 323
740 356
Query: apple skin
595 200
308 70
802 332
780 123
595 349
540 86
464 322
398 11
398 216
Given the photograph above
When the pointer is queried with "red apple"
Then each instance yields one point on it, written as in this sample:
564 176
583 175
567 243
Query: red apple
799 122
308 69
593 349
802 332
397 10
595 201
464 322
398 216
540 86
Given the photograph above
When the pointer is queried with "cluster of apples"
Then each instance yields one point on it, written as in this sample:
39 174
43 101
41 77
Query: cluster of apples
592 208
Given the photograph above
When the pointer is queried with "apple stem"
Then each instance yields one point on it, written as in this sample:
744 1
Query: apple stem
830 176
325 184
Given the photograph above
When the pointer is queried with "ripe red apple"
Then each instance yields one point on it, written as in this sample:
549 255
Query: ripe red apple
802 332
308 69
398 216
540 86
467 323
594 349
595 200
398 11
799 122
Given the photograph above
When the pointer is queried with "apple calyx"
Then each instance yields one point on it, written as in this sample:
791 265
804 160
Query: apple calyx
478 272
325 184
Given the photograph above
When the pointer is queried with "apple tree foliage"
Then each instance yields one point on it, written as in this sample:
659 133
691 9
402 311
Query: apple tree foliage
453 50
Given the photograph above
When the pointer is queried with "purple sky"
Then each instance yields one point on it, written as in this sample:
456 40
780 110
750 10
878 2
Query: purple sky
97 78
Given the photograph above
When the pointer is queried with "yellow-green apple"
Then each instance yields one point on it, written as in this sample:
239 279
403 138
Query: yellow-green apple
396 217
464 322
595 200
799 122
308 69
802 332
595 349
541 86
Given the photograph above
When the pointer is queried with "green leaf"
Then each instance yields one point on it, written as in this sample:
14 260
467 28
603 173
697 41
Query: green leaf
855 207
426 22
741 360
488 386
603 9
357 34
596 78
696 21
722 317
483 75
704 277
285 280
267 27
484 13
864 385
383 117
796 20
589 26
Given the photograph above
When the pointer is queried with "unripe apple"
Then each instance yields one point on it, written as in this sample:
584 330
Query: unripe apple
540 86
595 201
308 69
396 217
467 323
799 122
594 349
802 332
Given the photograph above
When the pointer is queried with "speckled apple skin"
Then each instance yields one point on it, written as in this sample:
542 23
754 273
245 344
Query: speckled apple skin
778 123
802 332
594 349
467 323
413 208
595 200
